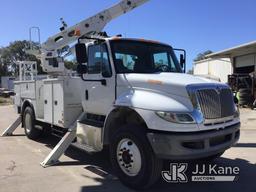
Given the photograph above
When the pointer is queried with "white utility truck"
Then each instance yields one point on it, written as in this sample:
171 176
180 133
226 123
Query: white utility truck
132 96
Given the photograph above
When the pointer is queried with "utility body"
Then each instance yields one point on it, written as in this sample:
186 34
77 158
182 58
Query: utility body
131 96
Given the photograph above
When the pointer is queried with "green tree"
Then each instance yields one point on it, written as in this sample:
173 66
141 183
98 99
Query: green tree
201 56
14 52
190 71
3 66
71 65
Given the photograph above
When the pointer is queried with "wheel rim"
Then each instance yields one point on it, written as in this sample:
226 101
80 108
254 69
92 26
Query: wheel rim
129 157
28 124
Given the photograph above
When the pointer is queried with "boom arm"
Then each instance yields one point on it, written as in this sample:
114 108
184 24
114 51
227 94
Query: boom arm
57 43
93 24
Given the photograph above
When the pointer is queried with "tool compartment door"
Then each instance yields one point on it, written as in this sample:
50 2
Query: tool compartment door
48 113
58 103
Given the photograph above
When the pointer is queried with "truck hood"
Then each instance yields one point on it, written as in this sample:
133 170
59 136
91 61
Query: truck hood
171 83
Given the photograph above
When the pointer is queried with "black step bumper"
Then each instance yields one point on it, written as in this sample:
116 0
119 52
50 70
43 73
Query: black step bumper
193 145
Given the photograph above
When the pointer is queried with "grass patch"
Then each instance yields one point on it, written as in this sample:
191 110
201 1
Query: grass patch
5 101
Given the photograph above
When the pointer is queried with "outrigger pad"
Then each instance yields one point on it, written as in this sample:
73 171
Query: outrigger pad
64 143
12 127
59 149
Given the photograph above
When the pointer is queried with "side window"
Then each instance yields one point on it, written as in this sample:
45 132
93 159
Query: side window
164 59
125 62
161 59
98 61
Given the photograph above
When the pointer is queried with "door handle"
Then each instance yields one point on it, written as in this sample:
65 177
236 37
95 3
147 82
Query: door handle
86 95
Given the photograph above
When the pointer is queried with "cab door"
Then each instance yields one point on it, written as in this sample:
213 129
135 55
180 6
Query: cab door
99 82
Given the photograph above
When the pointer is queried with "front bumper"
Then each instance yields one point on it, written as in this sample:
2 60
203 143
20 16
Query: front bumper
193 145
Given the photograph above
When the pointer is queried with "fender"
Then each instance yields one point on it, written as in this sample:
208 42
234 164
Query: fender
146 102
25 103
115 119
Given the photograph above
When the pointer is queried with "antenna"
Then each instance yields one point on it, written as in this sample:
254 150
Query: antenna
64 24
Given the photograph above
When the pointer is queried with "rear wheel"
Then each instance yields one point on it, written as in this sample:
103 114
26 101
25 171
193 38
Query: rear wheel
29 124
133 159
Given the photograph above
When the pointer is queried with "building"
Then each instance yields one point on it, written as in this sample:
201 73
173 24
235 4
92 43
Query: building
217 69
7 82
239 59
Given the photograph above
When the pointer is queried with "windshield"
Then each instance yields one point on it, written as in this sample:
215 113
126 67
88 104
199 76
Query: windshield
143 57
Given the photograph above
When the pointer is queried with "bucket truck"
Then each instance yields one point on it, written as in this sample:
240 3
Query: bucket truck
132 96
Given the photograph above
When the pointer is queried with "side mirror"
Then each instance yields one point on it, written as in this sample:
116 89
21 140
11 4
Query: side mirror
81 69
182 60
81 54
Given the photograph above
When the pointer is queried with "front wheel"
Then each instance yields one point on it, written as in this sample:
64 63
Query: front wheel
133 159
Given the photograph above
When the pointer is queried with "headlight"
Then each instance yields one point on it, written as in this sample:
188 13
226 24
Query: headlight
176 117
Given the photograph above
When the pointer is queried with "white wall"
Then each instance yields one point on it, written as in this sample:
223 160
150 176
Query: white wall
219 68
201 68
7 82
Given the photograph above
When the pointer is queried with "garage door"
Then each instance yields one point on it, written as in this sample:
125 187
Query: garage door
245 63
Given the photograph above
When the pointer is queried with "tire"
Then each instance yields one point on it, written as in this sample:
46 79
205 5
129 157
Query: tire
246 100
29 124
243 102
245 90
242 95
144 167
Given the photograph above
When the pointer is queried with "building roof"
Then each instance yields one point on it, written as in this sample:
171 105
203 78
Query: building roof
243 49
209 59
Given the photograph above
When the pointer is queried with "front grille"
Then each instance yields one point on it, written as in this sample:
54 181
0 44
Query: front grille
216 103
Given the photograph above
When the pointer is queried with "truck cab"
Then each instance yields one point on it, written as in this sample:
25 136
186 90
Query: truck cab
133 98
139 102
